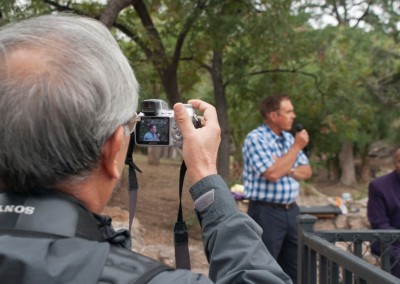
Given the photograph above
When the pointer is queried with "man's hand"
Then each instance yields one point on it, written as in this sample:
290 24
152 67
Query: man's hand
200 146
301 139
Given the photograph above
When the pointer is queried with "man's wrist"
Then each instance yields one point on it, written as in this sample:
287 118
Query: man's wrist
198 174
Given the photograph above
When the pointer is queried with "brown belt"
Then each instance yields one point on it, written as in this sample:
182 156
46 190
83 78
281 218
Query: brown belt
286 206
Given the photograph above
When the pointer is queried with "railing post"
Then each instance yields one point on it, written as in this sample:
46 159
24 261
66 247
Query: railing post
305 224
357 245
385 242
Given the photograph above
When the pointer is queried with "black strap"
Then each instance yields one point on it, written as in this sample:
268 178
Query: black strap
151 273
133 183
123 266
182 257
55 214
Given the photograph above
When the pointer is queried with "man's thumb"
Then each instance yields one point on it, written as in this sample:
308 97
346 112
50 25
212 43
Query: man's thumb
182 118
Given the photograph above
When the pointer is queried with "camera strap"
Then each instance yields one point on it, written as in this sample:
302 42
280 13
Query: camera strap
182 258
133 183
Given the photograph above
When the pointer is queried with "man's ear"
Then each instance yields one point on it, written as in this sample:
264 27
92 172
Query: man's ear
273 115
110 153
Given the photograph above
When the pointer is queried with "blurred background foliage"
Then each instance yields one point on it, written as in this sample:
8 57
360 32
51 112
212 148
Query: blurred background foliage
339 60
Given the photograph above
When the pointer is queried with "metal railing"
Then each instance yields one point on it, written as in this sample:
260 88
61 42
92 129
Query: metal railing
321 259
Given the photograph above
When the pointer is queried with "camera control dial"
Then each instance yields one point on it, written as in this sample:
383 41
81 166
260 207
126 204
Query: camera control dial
176 135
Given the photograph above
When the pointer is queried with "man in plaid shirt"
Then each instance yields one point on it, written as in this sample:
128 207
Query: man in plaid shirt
273 166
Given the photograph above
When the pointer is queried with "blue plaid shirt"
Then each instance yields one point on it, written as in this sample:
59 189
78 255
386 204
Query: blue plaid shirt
258 149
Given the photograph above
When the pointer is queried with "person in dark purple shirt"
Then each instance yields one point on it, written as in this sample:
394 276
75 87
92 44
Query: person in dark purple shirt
384 209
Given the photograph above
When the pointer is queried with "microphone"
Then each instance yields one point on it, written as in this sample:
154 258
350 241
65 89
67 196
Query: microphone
299 127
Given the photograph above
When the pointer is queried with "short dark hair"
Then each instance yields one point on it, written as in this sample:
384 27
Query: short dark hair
151 126
272 103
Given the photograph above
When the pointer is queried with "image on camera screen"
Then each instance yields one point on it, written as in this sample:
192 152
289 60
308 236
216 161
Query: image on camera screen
153 131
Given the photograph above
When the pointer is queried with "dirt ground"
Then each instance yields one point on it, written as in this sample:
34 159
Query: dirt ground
158 200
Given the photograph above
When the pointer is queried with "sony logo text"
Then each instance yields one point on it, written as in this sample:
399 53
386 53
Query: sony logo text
20 209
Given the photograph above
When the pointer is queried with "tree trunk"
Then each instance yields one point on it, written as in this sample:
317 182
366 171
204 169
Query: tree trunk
169 80
348 175
365 170
222 112
153 155
333 167
166 66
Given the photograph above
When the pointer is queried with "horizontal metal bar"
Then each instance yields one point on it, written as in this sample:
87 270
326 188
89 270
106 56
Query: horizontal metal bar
362 235
357 266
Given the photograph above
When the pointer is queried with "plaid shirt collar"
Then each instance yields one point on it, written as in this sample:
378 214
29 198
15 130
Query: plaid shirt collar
279 139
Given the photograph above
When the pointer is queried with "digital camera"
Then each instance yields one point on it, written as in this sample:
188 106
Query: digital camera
157 125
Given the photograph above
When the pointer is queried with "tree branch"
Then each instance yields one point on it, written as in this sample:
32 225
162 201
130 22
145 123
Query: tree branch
112 10
129 33
261 72
62 8
363 15
158 53
336 11
201 4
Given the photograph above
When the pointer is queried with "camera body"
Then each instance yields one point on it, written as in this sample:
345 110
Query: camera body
157 126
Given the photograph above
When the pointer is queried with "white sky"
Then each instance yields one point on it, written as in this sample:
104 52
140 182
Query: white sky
356 12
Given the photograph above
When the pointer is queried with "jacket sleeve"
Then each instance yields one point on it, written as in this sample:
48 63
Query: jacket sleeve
377 210
232 240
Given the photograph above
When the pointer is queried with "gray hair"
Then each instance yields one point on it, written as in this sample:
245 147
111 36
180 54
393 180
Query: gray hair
65 87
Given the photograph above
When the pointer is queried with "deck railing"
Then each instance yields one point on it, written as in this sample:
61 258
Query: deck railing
343 256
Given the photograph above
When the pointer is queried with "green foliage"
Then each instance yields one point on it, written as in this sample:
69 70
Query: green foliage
343 77
13 10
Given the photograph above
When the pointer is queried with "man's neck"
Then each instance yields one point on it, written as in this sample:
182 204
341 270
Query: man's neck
94 192
274 128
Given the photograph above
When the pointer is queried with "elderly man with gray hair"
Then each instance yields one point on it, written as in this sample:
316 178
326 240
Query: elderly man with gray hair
68 99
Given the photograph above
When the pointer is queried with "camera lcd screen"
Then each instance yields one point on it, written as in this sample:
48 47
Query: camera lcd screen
152 130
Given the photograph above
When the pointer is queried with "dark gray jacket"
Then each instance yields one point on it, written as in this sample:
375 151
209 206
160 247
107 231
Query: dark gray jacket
40 243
